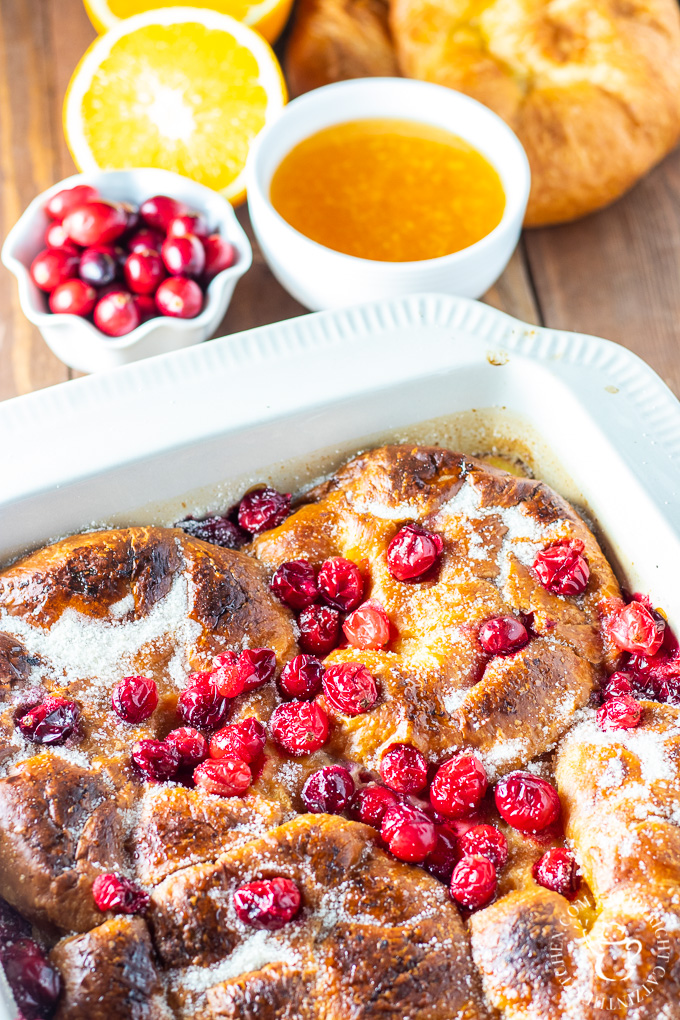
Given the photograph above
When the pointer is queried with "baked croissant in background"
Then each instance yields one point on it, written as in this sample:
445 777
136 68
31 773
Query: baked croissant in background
592 89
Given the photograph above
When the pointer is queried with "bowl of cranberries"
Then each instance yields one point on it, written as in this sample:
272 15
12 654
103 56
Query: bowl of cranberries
114 266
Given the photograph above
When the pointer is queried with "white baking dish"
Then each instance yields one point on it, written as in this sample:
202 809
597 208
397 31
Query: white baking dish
97 449
261 404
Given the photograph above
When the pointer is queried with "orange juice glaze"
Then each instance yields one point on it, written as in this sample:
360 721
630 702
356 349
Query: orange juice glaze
388 189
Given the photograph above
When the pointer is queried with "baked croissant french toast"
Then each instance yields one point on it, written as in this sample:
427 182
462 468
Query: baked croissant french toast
400 748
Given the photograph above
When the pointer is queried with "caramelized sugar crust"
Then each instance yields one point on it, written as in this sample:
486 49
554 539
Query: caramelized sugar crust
375 937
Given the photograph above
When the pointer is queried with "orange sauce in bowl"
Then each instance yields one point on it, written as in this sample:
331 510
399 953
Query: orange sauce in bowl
387 189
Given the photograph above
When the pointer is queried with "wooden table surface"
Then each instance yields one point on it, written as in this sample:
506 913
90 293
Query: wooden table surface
615 274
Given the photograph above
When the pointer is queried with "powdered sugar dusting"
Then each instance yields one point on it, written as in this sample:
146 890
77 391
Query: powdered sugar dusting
400 512
78 647
650 747
524 536
613 775
501 754
255 952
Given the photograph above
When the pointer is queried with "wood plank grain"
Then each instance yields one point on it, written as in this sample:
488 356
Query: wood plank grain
65 48
28 164
513 292
617 273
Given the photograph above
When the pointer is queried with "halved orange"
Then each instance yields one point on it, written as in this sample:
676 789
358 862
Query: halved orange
184 89
267 16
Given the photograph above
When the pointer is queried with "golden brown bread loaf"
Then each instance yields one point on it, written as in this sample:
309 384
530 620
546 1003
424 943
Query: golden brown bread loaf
592 90
332 42
376 937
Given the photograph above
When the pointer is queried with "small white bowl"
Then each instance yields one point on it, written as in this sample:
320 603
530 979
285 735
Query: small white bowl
77 341
320 277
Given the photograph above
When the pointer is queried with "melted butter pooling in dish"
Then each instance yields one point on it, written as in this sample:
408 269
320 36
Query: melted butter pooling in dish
388 190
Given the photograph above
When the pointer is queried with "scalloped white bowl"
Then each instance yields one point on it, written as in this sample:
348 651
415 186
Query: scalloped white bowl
76 341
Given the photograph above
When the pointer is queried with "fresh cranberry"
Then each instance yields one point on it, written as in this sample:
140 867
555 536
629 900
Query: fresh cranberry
350 688
241 741
183 256
368 626
115 892
488 841
409 834
294 583
52 267
190 745
268 904
329 790
319 629
503 635
116 313
299 727
115 251
527 802
458 786
473 882
227 675
95 222
51 722
656 677
61 203
155 759
97 267
35 984
132 214
459 826
633 629
669 690
146 307
557 870
216 530
179 297
404 768
442 860
188 223
144 271
257 667
219 255
201 704
617 685
56 237
134 698
301 677
146 238
225 777
562 568
73 298
413 552
371 802
159 211
262 509
619 713
239 674
341 584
